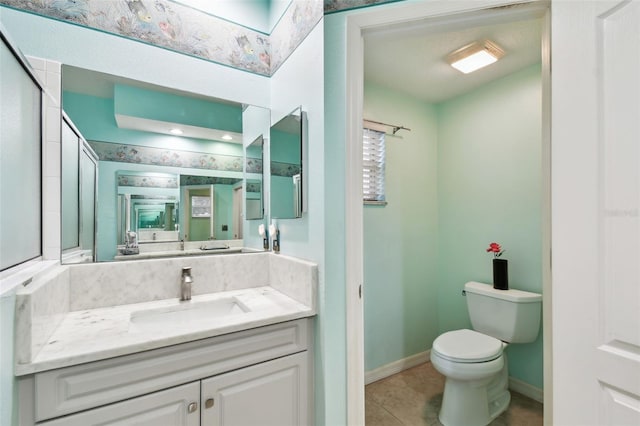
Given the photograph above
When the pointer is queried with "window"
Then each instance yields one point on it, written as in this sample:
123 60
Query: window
373 158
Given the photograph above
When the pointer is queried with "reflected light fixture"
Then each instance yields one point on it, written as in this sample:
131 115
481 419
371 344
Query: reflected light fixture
175 131
227 137
474 56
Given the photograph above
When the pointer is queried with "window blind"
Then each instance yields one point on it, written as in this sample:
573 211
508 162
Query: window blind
373 159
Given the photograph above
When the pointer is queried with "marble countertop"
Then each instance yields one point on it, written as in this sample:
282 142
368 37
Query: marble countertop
96 334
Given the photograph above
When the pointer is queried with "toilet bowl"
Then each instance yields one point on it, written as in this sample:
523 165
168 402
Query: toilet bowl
474 362
476 371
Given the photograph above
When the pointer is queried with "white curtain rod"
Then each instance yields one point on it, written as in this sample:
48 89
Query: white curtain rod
393 126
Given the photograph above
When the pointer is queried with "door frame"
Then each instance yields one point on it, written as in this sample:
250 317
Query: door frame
444 14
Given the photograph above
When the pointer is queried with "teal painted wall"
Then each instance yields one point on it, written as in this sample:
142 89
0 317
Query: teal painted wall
489 189
333 375
95 119
154 105
282 192
223 211
284 148
400 239
468 173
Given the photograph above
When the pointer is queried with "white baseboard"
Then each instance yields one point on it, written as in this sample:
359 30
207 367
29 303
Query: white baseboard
395 367
526 389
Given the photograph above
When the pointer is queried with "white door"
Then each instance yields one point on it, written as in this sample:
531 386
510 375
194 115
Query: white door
595 212
274 393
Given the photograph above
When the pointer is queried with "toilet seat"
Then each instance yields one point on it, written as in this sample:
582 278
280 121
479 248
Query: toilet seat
467 346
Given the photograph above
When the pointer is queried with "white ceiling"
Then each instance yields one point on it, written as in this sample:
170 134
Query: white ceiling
411 58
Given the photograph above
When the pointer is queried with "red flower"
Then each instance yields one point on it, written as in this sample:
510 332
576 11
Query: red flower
496 249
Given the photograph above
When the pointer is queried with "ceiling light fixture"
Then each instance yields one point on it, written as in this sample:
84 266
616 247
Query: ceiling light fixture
175 131
227 137
475 56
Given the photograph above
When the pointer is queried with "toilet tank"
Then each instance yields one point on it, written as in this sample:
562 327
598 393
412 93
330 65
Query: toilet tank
509 315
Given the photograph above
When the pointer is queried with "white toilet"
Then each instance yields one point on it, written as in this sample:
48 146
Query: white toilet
474 362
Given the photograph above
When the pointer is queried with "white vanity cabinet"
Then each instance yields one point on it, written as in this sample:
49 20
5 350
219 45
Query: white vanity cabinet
253 377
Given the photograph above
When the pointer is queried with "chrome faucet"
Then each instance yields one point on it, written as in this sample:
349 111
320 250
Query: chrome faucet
185 284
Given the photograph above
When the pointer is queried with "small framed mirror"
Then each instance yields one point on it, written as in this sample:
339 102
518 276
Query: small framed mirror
254 200
287 168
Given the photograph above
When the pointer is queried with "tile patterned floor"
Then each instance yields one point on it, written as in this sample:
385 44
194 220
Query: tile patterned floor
413 397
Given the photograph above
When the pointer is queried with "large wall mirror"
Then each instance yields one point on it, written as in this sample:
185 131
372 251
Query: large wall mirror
170 162
287 168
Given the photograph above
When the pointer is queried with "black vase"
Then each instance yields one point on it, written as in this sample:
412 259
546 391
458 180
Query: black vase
500 274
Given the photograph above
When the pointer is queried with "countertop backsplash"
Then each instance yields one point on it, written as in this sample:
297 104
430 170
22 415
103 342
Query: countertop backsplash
99 285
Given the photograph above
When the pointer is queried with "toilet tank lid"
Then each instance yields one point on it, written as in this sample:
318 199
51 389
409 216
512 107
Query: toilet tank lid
512 295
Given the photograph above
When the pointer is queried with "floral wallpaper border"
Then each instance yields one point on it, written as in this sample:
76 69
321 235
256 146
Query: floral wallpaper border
207 180
172 182
254 187
332 6
297 22
137 154
174 26
254 165
169 182
284 169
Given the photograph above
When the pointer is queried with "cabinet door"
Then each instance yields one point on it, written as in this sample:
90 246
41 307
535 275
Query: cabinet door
274 393
177 406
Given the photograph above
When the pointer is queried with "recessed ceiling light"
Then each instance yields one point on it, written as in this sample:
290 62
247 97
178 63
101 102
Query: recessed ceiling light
227 137
475 56
175 131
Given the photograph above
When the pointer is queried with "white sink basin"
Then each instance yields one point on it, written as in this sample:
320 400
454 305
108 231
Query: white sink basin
186 314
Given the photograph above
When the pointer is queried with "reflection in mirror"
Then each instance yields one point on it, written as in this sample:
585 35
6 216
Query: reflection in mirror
148 206
286 166
209 211
132 127
78 193
253 169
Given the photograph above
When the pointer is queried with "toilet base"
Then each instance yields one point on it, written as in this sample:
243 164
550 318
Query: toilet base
475 403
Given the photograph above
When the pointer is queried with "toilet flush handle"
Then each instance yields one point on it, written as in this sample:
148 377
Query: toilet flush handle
464 292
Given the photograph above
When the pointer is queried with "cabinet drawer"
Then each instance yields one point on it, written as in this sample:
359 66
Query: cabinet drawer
167 408
68 390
